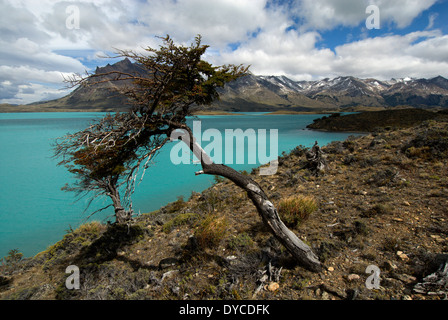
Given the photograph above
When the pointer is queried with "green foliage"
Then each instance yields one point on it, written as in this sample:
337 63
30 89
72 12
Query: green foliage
177 205
13 257
171 81
241 241
179 220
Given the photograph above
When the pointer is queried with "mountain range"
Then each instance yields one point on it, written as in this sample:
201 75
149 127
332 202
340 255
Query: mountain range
271 93
341 93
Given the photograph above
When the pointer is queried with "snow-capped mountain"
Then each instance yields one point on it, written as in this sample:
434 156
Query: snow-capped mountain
272 93
276 92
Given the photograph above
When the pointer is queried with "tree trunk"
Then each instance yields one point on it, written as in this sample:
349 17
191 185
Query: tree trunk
265 208
122 216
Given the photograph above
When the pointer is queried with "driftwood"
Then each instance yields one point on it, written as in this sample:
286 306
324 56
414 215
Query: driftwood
436 283
267 211
316 158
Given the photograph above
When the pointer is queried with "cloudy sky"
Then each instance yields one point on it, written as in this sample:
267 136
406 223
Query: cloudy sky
43 40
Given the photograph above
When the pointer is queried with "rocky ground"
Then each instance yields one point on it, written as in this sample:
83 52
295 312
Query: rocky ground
382 202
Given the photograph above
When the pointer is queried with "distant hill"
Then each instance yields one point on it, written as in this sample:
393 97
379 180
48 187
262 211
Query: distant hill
270 93
371 121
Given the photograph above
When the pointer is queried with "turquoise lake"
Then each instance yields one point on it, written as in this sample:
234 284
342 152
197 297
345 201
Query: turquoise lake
35 212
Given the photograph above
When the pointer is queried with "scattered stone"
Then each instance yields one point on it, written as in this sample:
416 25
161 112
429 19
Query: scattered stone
437 238
273 286
353 277
406 203
403 256
406 278
169 274
387 265
331 269
392 283
176 290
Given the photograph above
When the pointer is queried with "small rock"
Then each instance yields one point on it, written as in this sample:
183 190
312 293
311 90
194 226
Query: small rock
406 203
169 274
176 290
406 278
392 283
437 238
406 297
402 256
389 266
331 269
273 286
353 277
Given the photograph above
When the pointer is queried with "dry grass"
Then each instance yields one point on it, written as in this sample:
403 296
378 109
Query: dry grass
211 231
294 210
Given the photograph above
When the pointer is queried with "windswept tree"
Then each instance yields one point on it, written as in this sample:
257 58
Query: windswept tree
171 83
106 157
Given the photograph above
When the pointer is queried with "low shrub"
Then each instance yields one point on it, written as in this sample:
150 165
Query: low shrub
179 220
430 144
211 231
242 240
296 209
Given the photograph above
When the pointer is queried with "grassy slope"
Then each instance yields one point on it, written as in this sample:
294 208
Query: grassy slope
382 201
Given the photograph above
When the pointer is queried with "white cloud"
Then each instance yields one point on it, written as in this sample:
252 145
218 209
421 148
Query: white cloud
273 37
417 54
394 56
32 92
219 22
328 14
402 12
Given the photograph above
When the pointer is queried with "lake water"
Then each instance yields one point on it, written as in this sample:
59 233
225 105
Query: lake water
35 213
